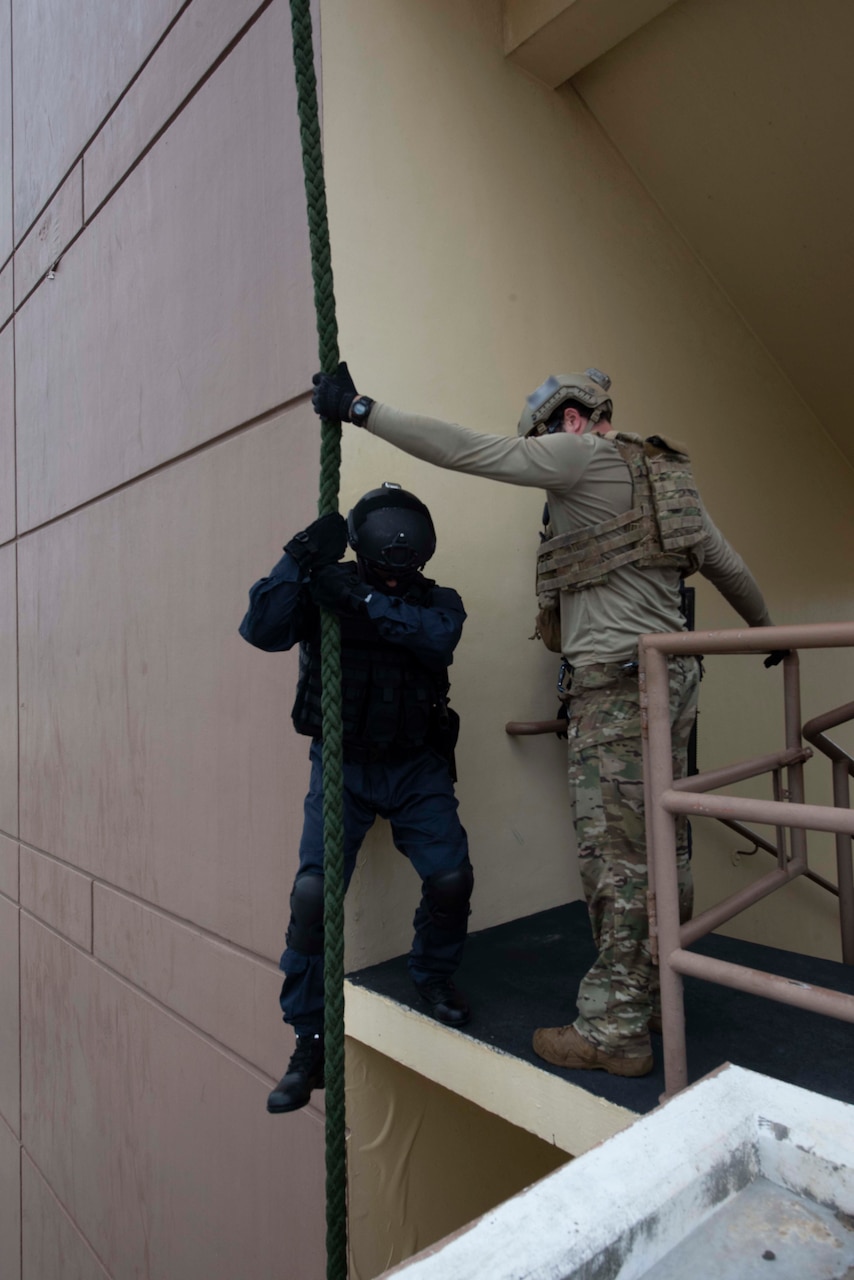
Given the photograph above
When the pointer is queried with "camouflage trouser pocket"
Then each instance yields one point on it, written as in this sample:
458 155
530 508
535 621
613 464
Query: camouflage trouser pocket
605 706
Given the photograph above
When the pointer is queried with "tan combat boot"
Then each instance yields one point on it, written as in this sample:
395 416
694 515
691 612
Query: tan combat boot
566 1047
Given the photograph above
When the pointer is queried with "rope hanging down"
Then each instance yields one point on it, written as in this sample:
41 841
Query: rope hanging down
333 772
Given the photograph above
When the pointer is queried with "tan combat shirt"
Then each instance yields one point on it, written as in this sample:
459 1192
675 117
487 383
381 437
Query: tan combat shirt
586 481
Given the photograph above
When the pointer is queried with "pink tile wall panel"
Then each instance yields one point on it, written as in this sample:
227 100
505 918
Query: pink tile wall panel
52 1247
198 38
7 301
59 895
222 991
10 1205
8 694
71 62
6 242
9 1022
45 244
156 745
169 1163
7 433
9 868
185 308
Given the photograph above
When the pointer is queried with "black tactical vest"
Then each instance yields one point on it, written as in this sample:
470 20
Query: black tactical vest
390 700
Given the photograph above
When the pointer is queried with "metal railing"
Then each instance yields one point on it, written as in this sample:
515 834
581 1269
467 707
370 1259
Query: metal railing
843 769
666 799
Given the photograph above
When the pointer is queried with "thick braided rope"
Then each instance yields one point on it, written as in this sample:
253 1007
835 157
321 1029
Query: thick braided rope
330 653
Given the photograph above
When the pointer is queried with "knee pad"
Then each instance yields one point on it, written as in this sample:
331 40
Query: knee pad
305 931
447 895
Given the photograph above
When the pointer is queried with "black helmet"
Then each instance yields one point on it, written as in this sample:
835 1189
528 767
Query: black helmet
391 529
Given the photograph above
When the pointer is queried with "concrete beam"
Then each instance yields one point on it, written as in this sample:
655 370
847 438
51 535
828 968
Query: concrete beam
554 39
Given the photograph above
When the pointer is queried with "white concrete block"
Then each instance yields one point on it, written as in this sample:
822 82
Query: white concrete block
620 1208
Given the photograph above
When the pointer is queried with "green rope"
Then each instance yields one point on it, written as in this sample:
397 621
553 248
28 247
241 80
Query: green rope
330 656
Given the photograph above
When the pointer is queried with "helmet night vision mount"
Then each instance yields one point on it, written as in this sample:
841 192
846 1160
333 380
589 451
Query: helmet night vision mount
589 389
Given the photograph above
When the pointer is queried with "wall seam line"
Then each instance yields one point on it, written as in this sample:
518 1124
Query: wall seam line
264 4
232 1054
231 433
87 220
12 1134
79 155
154 907
17 644
64 1210
185 101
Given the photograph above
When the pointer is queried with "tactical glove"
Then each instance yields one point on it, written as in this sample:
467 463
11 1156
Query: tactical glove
333 394
335 589
322 543
775 656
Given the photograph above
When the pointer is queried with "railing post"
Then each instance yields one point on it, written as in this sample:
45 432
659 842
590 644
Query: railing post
844 869
794 772
661 854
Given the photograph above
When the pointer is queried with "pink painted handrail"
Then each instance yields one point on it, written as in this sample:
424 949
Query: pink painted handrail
666 798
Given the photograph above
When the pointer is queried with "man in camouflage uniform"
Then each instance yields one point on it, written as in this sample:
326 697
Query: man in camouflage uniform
609 573
617 998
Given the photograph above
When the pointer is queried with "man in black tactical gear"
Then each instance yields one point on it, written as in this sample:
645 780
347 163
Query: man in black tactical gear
398 633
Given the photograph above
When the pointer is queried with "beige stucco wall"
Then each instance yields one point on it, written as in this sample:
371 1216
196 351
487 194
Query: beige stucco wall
485 234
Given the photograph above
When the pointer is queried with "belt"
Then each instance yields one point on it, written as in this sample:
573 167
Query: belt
628 668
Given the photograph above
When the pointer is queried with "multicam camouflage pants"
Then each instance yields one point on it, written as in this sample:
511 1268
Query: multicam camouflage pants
618 994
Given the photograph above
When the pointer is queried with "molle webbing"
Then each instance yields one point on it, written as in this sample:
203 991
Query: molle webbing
663 528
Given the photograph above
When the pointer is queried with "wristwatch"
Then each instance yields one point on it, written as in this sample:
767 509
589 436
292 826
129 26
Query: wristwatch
360 409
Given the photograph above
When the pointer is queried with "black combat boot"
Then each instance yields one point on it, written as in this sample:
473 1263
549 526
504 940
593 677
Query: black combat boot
447 1003
304 1073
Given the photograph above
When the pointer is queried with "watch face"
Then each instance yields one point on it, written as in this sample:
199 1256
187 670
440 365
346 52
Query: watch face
360 409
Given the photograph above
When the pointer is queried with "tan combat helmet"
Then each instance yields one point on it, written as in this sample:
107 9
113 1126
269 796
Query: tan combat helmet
589 388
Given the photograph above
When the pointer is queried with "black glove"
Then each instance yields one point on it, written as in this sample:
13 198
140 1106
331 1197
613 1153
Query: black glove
337 590
333 394
776 656
322 543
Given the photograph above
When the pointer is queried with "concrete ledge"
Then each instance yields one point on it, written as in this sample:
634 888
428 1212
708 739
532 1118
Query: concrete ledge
623 1208
523 1094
